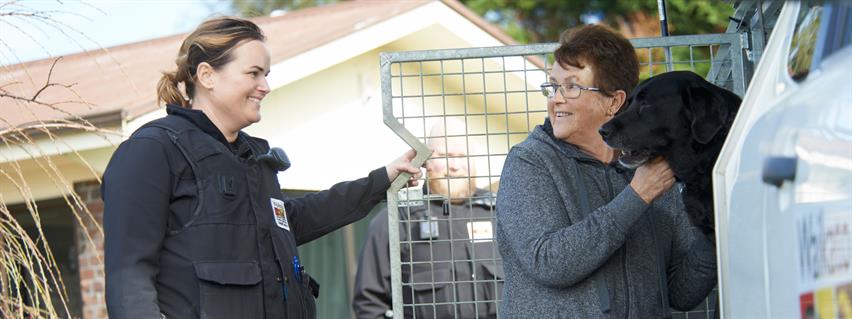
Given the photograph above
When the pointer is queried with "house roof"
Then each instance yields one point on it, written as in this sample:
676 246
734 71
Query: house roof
120 82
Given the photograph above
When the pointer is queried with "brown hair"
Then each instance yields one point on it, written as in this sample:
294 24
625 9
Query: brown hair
613 58
211 42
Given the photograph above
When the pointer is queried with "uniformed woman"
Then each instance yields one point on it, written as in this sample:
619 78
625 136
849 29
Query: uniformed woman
195 223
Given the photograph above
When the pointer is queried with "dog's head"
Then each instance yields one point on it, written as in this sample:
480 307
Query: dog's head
670 108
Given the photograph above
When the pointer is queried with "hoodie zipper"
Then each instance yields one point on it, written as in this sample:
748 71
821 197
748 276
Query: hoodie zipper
623 249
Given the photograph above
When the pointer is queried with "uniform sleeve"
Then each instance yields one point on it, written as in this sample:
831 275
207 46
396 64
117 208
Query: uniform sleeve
372 295
317 214
536 231
136 188
692 268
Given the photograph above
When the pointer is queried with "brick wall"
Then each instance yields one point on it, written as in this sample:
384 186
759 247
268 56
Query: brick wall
90 256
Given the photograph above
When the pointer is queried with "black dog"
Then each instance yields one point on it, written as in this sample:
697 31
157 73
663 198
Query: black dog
685 119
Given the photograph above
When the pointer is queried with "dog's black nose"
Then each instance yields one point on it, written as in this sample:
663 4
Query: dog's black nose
604 131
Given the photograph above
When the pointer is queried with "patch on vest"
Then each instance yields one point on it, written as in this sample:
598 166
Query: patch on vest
480 231
279 213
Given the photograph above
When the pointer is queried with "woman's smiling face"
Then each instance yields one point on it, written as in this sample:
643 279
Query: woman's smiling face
241 84
576 120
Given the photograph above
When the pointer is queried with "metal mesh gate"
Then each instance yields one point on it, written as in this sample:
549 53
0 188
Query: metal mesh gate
443 261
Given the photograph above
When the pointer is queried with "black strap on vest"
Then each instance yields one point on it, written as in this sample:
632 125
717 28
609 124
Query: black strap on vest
174 126
600 283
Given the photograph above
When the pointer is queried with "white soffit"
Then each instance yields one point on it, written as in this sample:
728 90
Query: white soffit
62 144
352 45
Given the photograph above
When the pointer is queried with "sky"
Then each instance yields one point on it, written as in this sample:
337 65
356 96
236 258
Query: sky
92 24
80 25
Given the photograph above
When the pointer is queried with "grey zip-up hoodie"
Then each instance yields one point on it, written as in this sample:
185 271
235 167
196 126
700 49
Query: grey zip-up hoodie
563 262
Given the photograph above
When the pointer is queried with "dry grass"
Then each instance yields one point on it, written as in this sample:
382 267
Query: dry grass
30 281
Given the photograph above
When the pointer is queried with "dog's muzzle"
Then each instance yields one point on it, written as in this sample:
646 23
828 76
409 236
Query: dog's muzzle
634 159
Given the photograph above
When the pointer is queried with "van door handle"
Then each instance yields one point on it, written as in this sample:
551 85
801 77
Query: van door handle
777 169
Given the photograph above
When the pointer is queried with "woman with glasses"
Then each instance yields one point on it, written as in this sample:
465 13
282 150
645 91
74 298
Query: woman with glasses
580 236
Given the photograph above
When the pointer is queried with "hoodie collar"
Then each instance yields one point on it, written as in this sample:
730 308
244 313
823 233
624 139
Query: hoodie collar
544 133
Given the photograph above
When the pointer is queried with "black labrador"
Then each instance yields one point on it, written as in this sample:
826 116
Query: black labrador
685 119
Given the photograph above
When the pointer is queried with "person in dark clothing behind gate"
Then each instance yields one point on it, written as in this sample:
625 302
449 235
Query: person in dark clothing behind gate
472 261
195 223
580 236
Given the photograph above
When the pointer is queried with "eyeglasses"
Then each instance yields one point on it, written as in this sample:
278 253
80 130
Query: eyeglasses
573 91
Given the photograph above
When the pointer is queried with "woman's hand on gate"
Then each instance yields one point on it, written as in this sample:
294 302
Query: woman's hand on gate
403 164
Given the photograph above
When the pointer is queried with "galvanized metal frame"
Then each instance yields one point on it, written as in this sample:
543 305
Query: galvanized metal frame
727 66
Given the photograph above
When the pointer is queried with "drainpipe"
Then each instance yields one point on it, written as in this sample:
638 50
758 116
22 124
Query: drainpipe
664 32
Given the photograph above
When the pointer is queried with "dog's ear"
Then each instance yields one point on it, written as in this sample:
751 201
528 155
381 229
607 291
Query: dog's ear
706 112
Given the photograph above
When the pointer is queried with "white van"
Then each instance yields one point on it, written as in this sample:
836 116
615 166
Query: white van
783 183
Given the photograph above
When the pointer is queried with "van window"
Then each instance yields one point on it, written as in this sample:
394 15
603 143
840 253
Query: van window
804 40
845 14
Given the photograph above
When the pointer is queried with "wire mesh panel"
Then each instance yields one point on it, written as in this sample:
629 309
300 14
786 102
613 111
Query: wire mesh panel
471 106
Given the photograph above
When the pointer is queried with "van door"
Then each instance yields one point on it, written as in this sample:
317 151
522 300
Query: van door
783 184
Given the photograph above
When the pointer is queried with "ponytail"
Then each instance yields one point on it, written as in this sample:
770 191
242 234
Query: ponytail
168 91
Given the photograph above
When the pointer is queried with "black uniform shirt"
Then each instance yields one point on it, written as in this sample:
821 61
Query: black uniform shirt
448 275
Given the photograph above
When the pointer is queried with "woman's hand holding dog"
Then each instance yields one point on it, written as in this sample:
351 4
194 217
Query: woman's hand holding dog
652 179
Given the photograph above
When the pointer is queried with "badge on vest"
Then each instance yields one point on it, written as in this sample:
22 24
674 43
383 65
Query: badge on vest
429 228
480 231
279 213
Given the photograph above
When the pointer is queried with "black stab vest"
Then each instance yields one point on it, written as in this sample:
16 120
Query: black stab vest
227 258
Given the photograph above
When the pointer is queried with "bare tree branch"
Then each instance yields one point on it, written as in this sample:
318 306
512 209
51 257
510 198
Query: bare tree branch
29 273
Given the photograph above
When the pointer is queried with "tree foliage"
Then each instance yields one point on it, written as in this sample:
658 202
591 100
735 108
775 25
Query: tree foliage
533 21
538 21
